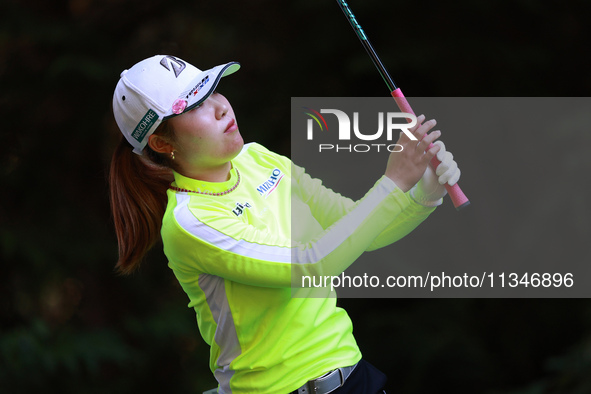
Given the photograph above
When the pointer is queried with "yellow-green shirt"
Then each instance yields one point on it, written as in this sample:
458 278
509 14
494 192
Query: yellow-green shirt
235 250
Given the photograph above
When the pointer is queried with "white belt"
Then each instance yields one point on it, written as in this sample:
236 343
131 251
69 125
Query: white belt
327 383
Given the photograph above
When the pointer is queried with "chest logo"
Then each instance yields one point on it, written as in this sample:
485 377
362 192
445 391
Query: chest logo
270 184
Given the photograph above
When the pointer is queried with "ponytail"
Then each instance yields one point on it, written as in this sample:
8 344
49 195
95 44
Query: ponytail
138 201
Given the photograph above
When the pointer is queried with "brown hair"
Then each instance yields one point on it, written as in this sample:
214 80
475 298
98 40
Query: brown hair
138 187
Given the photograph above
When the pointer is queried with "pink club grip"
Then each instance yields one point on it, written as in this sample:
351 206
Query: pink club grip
458 197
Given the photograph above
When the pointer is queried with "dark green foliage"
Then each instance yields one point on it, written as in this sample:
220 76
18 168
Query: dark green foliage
69 324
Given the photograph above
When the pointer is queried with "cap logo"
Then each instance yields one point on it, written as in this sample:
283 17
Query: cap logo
198 87
177 65
144 125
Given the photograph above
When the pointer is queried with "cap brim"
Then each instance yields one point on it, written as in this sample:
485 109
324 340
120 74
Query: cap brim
204 85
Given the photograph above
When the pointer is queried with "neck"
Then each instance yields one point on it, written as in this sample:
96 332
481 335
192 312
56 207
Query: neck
219 173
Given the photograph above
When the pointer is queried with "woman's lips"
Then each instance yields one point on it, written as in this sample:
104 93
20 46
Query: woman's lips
232 126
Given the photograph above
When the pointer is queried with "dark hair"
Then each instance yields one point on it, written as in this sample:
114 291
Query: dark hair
138 187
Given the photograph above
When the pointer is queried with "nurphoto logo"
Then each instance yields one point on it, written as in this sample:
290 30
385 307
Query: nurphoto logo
387 130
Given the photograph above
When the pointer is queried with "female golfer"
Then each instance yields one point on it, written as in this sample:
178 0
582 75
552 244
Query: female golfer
224 209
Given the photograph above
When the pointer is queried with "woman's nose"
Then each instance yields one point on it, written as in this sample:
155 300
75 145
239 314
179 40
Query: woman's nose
221 109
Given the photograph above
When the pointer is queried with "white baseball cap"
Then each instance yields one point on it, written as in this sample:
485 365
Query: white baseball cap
159 88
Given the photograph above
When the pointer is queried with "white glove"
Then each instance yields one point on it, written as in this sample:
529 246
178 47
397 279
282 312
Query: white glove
429 191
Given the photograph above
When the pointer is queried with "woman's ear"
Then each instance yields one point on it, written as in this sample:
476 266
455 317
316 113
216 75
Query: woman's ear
159 144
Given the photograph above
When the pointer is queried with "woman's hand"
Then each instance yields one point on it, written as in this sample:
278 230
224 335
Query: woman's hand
430 189
406 167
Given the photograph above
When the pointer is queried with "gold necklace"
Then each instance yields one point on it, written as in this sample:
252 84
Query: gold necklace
178 189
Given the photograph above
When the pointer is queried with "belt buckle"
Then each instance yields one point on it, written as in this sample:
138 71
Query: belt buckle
342 376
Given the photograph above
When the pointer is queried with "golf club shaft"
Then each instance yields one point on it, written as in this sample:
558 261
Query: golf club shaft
458 198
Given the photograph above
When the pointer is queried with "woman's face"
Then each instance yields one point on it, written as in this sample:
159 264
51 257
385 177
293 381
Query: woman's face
207 137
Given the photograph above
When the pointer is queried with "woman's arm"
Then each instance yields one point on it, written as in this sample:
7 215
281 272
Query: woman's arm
220 245
328 207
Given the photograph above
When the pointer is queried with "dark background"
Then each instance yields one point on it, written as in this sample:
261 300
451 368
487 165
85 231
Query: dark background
69 324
